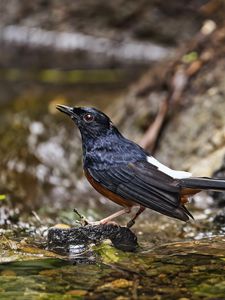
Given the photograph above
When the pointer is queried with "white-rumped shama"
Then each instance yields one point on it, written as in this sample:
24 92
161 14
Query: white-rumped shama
125 173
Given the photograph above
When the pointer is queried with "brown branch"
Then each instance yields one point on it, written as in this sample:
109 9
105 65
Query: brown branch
177 86
150 138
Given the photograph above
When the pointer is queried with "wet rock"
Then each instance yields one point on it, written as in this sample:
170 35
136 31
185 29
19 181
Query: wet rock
62 240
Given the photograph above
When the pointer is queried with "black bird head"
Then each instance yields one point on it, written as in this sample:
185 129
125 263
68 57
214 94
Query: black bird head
90 121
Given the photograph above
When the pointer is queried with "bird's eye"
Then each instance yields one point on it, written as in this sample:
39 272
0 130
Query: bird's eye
88 118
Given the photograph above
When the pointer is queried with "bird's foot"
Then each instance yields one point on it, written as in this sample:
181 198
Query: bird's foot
84 221
109 223
103 222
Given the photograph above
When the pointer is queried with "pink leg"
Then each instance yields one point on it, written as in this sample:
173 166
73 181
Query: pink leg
132 221
113 216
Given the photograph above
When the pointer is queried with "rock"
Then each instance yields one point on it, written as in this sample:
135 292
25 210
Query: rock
61 240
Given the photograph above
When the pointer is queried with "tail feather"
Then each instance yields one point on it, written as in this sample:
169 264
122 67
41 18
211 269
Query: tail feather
180 213
187 212
203 183
193 185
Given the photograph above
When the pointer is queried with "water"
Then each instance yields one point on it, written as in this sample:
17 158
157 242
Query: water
142 275
122 51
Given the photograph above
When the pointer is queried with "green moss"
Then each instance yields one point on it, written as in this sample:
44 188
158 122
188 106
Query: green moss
2 197
190 57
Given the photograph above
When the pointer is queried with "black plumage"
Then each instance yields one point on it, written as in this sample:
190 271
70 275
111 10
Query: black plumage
121 169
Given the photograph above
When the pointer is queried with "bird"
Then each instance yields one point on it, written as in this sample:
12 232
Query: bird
127 174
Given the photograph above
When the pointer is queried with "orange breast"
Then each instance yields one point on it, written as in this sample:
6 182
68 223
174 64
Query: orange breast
108 194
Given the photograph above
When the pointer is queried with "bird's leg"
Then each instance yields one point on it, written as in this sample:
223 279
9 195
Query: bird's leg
108 219
132 221
115 215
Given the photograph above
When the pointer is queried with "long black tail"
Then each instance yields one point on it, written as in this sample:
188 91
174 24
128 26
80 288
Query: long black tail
203 183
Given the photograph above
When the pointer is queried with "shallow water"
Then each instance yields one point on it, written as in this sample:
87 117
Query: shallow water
152 274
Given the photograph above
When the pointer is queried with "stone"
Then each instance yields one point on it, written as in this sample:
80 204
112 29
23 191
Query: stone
62 239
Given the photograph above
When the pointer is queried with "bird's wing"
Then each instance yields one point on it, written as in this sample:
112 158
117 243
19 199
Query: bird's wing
144 184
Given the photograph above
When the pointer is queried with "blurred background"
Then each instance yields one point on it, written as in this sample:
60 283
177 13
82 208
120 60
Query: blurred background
156 68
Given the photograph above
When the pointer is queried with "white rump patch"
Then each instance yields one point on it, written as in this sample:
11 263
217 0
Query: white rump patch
172 173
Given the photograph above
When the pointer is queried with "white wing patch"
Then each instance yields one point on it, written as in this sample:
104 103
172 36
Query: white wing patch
172 173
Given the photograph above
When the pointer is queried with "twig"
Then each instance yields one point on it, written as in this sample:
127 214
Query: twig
178 84
36 216
150 138
83 219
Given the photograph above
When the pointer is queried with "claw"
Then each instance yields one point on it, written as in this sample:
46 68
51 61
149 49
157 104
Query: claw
109 223
102 222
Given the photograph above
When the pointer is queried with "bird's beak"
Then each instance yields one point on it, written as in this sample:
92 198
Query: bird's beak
66 110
